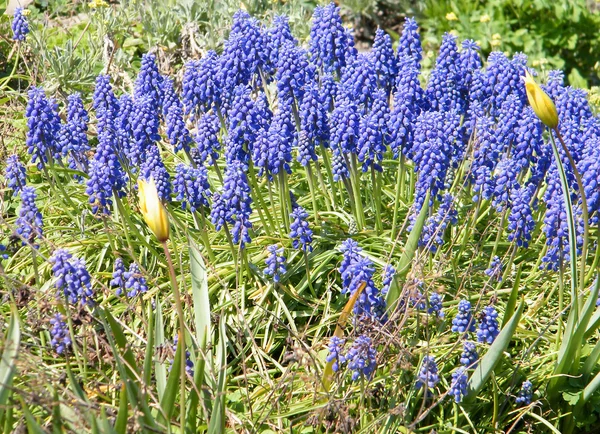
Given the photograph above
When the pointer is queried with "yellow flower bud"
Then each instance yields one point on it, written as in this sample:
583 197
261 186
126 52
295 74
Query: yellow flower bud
451 16
485 18
153 210
540 102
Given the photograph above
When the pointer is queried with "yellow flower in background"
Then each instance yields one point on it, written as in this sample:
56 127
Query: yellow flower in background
25 12
485 18
153 210
540 102
94 4
496 40
451 16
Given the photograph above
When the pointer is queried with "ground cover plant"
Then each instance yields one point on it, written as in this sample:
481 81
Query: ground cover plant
292 235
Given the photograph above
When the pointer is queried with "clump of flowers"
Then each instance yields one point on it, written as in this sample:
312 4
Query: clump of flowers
73 281
59 333
276 263
495 269
300 232
525 394
488 325
20 26
469 356
463 321
16 175
458 387
428 376
29 223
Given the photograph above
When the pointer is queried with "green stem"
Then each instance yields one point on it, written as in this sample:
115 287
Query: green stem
313 193
399 190
376 200
201 226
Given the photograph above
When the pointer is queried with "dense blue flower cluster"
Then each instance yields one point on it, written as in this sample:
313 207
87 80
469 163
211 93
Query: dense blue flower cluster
177 132
463 321
135 281
233 204
20 26
428 376
458 387
520 219
525 394
432 235
331 45
384 60
207 138
191 186
149 82
361 358
300 232
201 90
469 356
154 168
29 223
43 125
356 270
118 276
488 325
15 175
275 262
73 140
59 334
410 42
73 280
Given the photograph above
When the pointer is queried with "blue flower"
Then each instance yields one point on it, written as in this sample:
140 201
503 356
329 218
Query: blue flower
154 168
495 270
124 128
73 280
525 394
374 133
388 278
458 387
275 262
191 186
356 270
244 123
134 281
59 334
443 88
435 305
177 132
407 106
428 375
244 53
43 127
384 59
201 89
15 175
277 36
149 83
282 138
105 105
233 205
432 235
314 126
520 219
345 126
29 223
169 95
118 279
488 325
292 74
20 26
335 355
463 321
300 232
207 138
73 135
189 365
145 123
469 356
361 358
505 181
410 42
331 46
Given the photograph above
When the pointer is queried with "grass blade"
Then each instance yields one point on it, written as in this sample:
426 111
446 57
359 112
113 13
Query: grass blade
407 256
217 419
160 370
8 361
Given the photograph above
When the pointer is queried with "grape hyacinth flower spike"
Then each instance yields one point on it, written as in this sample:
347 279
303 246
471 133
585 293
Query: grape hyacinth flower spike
488 325
428 375
20 26
463 321
525 394
59 333
276 263
15 174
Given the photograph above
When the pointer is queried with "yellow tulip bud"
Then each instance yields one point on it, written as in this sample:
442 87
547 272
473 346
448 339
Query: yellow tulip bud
153 210
540 102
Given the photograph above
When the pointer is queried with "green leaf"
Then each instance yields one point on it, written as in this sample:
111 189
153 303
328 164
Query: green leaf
160 370
512 300
493 356
33 427
200 297
572 397
8 361
167 403
122 415
217 419
410 249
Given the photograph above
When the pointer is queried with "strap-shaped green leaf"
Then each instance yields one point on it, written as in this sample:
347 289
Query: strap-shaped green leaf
8 361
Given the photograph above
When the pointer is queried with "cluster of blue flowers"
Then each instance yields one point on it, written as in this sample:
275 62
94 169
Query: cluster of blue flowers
20 26
276 263
73 281
525 394
131 280
59 333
